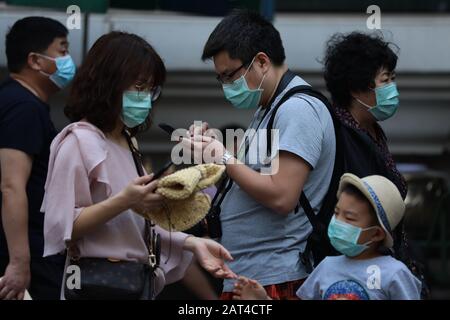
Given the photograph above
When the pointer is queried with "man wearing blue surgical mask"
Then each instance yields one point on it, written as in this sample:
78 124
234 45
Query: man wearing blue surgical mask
258 221
40 65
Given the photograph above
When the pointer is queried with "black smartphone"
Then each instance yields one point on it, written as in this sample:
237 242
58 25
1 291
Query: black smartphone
162 170
167 128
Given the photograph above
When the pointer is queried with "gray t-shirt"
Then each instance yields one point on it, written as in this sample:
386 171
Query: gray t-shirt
266 245
342 278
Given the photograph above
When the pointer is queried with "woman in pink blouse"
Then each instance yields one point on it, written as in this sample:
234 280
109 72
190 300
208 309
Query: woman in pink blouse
93 188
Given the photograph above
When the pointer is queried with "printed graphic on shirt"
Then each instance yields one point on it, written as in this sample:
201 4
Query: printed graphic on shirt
346 290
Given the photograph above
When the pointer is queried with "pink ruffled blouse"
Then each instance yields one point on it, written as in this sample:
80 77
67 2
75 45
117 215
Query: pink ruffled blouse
86 168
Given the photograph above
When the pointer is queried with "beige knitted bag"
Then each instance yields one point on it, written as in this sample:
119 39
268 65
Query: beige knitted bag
185 205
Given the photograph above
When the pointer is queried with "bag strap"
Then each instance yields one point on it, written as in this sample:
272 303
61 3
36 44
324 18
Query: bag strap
318 227
303 200
338 164
150 234
227 183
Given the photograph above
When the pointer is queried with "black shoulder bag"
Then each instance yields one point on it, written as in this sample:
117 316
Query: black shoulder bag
108 279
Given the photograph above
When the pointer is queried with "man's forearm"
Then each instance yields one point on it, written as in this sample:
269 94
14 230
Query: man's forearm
15 224
279 191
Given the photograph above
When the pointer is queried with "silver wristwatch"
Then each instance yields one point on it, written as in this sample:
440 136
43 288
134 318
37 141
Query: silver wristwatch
226 156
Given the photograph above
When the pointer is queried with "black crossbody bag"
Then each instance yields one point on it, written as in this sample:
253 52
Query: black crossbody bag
107 279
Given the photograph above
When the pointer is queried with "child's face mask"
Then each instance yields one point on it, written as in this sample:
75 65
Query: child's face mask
344 237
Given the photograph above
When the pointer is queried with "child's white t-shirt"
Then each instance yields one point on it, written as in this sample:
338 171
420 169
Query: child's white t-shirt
342 278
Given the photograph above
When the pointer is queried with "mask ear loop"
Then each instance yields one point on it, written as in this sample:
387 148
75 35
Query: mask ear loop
264 76
246 71
364 104
248 68
365 229
45 57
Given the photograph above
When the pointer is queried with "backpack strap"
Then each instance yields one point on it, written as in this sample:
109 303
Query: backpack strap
338 165
318 226
213 216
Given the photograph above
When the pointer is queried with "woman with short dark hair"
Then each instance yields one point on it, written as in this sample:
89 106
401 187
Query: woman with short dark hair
359 73
93 190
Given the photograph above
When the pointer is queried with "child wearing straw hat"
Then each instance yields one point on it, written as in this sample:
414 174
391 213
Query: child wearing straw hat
366 214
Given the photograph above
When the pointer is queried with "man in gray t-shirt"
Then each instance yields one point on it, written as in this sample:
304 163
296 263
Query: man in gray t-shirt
266 245
259 225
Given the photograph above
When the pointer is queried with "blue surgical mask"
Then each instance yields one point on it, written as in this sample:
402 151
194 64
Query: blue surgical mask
240 95
344 237
65 70
387 102
135 107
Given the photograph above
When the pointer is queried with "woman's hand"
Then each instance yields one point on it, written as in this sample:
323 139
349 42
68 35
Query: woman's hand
140 196
211 256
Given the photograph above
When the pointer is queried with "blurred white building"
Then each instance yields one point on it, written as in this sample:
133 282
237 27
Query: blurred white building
420 128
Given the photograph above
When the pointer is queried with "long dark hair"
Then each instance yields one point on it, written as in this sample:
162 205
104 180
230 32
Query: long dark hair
115 62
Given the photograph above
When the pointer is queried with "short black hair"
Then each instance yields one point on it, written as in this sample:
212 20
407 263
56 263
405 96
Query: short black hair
351 190
30 34
351 64
243 34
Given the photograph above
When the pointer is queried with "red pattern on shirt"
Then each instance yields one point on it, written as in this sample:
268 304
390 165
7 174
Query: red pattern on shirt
281 291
